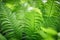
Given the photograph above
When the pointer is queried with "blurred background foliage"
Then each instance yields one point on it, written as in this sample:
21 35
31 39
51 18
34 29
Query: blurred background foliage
29 19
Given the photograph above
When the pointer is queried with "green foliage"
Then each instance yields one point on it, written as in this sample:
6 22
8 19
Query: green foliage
2 37
29 19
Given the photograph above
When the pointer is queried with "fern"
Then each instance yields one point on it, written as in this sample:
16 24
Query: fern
29 19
